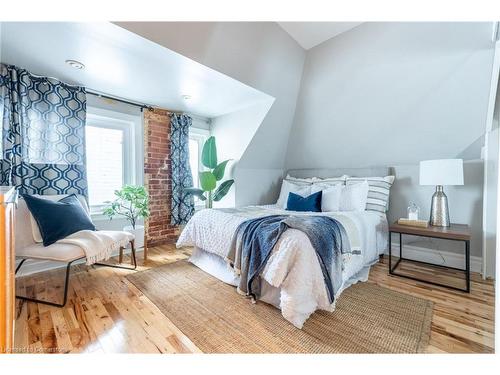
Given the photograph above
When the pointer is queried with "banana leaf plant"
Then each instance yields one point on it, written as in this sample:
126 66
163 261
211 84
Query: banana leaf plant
210 190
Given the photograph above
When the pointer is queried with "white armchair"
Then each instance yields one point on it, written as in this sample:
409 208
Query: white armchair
26 247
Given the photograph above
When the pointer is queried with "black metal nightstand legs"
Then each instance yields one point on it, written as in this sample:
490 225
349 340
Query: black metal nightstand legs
466 270
467 265
390 252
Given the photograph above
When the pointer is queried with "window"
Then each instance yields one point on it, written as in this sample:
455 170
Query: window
110 155
194 159
197 138
104 163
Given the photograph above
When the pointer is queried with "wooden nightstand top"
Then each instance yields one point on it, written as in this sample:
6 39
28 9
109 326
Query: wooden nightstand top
453 232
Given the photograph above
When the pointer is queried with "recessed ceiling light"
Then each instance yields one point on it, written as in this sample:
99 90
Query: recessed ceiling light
186 97
75 64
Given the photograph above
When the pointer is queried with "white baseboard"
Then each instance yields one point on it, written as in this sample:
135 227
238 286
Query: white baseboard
32 266
449 259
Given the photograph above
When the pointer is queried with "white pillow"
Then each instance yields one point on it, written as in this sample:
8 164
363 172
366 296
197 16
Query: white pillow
288 187
317 180
378 191
354 197
330 180
330 198
300 181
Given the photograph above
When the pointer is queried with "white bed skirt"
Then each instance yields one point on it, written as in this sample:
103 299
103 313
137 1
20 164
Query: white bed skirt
217 267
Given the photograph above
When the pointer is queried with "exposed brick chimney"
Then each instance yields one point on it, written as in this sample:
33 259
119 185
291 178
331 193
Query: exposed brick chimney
157 177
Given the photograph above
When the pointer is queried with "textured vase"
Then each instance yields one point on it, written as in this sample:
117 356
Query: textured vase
440 216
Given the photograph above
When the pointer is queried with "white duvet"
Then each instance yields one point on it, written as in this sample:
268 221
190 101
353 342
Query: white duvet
293 266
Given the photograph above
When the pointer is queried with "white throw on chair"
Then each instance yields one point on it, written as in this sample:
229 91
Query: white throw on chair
28 248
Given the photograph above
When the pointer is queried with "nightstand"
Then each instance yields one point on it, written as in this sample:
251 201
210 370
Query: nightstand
455 232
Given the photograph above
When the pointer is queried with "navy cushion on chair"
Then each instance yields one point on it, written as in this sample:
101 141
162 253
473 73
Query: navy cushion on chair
57 220
310 203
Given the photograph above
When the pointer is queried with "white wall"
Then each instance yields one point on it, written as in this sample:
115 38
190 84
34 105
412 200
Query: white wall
259 54
392 94
250 181
490 200
465 203
1 41
491 156
233 133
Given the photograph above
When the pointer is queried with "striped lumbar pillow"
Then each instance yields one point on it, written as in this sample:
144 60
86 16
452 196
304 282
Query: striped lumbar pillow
378 191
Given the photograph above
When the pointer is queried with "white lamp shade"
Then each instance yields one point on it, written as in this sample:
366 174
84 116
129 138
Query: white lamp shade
442 172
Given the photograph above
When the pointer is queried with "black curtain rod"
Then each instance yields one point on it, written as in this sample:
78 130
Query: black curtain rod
98 94
101 95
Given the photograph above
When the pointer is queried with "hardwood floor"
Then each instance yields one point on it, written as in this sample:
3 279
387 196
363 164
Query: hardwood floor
461 322
106 313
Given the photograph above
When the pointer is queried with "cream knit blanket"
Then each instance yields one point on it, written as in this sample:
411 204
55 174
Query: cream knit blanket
98 245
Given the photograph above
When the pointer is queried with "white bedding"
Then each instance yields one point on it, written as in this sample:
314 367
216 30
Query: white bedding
292 279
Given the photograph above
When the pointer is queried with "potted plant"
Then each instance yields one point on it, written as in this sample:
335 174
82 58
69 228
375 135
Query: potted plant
132 203
209 191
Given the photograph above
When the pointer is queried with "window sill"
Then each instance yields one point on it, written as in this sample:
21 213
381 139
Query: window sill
98 216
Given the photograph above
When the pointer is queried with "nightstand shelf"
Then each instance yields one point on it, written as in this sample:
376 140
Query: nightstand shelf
456 232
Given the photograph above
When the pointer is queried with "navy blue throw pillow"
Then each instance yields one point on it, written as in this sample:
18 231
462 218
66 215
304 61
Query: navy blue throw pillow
58 219
311 203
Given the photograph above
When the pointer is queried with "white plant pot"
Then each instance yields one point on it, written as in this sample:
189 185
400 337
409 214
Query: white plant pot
138 232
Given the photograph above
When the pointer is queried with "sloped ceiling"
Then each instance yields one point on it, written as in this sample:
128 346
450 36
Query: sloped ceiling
393 93
123 64
310 34
259 54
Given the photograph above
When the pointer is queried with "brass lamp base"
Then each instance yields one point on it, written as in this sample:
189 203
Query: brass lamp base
440 216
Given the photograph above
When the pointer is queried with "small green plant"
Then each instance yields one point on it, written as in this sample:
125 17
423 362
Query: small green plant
208 179
131 202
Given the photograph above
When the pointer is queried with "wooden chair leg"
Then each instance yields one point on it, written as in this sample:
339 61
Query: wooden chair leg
120 257
145 247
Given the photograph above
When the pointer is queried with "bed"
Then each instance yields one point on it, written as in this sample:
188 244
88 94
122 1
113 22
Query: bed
292 279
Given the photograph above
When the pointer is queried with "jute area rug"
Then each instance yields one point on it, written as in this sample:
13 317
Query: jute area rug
368 318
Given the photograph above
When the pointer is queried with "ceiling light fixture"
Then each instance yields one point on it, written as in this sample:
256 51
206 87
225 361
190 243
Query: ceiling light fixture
186 97
75 64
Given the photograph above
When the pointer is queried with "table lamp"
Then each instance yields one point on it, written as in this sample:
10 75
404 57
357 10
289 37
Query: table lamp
441 172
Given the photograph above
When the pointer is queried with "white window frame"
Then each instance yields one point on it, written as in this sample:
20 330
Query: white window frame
129 124
200 135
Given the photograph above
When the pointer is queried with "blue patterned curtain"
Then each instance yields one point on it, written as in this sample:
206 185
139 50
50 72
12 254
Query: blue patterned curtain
43 134
182 203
